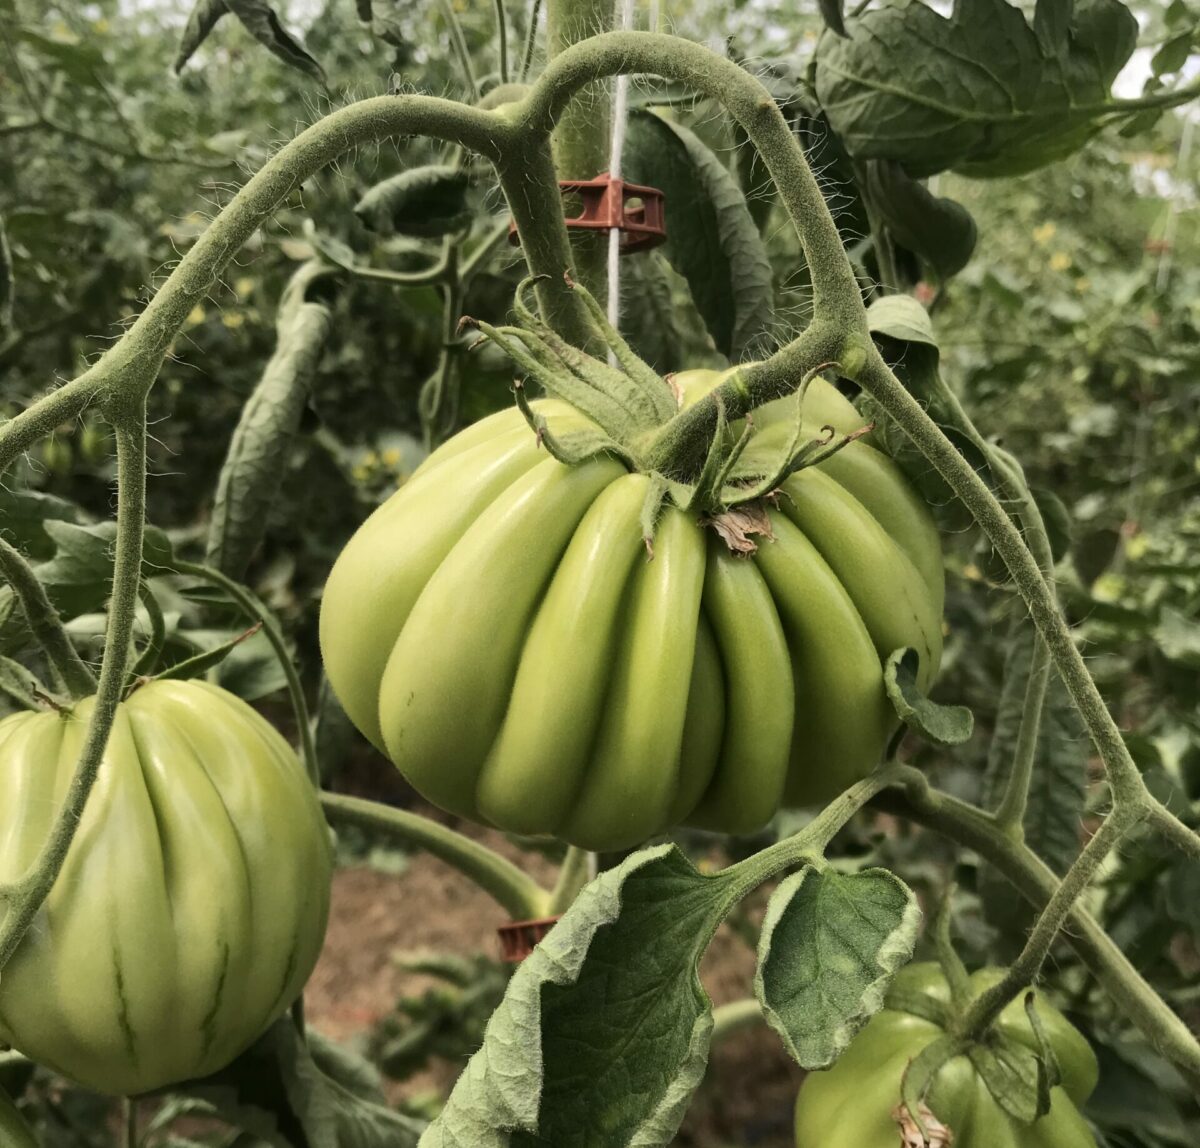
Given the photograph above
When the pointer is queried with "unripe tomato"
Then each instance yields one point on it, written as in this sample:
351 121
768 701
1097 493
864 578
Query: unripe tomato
57 456
850 1105
497 629
95 443
192 904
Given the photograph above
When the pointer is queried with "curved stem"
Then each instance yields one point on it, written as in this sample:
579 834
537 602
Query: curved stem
1035 881
530 185
256 611
522 897
147 661
1184 839
133 363
25 898
835 290
44 623
736 1016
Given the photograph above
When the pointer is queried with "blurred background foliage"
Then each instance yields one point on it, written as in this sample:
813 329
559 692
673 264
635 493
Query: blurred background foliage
1072 334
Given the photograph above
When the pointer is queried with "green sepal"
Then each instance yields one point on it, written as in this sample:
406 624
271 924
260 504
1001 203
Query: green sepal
1049 1073
1012 1074
656 495
647 379
199 664
573 447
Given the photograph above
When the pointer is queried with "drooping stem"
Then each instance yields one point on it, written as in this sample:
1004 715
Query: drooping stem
45 625
25 898
255 610
516 892
1010 813
148 659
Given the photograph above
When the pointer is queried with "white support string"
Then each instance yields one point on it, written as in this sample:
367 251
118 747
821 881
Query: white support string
620 120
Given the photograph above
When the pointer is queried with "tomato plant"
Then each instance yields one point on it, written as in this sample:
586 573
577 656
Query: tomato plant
741 482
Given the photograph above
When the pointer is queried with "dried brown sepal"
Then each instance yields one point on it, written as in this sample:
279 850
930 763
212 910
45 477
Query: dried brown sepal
910 1135
739 524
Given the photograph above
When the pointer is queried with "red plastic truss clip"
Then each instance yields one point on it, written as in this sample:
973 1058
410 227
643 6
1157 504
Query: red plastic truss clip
606 206
518 938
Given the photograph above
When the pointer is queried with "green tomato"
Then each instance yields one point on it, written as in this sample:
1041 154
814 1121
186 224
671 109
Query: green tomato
192 904
14 1132
497 629
850 1105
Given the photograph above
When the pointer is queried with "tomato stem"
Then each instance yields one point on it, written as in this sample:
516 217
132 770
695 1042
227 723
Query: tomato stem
515 891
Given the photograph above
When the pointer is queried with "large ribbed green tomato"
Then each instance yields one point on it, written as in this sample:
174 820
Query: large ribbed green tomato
192 904
850 1105
497 629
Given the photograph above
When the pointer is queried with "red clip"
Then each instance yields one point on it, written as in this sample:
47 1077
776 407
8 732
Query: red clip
518 938
606 206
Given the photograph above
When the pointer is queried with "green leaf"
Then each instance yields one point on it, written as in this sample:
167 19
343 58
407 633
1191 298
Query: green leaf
1010 1071
277 1091
939 231
942 725
25 514
901 317
603 1033
1178 636
829 946
202 20
260 20
1057 520
833 15
649 311
1057 791
426 202
981 91
81 63
712 240
1175 52
254 468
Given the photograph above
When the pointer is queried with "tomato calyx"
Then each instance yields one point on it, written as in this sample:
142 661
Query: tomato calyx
630 405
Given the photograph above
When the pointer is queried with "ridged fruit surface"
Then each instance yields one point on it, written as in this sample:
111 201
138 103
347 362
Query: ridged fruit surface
498 629
192 904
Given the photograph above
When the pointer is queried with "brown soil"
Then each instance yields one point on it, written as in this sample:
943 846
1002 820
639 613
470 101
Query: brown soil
747 1096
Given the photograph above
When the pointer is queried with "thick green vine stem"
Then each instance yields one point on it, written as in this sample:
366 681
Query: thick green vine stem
572 876
975 830
734 1017
69 669
522 897
255 611
24 898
